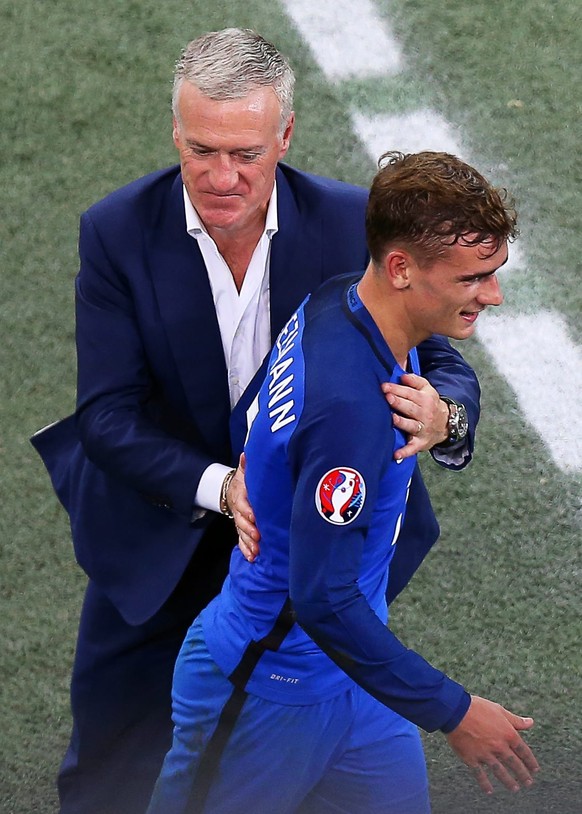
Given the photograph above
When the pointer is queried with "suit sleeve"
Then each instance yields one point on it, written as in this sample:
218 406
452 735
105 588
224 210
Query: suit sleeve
325 571
117 393
452 376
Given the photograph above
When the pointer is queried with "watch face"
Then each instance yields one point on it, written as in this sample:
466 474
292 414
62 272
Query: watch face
462 422
458 422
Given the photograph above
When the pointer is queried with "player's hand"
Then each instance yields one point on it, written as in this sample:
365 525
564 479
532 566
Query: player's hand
487 740
244 518
418 412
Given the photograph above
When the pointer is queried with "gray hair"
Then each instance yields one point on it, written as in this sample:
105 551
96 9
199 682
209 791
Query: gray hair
229 64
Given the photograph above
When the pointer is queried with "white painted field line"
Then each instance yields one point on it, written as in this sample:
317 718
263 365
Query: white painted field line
409 133
544 367
348 38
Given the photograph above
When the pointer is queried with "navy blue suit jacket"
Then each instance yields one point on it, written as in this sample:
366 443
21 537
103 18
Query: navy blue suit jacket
153 405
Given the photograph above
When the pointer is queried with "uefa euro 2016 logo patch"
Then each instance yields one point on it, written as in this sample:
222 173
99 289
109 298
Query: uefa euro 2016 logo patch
340 495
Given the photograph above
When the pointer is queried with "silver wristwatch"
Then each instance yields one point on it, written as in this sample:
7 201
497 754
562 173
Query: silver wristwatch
457 424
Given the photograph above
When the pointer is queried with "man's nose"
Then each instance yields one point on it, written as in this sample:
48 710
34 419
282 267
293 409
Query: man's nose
223 174
490 293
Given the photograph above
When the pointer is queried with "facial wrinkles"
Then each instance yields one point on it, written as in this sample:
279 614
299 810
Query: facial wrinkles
230 125
229 152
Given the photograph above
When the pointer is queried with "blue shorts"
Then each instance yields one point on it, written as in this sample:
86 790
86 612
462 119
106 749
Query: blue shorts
235 753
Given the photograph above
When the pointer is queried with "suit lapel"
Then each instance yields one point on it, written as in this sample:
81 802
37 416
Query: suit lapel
188 315
296 256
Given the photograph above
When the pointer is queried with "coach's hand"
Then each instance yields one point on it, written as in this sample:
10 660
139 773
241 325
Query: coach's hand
418 412
487 740
244 518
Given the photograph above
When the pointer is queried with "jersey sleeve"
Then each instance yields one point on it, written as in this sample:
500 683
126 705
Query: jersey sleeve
335 446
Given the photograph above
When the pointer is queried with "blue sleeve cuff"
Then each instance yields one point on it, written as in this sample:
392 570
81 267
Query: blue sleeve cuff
458 715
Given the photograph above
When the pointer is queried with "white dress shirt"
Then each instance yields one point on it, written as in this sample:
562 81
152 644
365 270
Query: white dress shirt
243 319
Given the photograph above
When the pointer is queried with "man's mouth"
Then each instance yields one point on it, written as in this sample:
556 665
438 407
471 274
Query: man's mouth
470 316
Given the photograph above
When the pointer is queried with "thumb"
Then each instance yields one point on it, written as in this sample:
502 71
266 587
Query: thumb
518 722
242 462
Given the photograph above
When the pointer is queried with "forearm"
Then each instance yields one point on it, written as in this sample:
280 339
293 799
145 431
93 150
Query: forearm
356 639
451 375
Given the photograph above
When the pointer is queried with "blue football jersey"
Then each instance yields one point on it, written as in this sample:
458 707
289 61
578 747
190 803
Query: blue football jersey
309 616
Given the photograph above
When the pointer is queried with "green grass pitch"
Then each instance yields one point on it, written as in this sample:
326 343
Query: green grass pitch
85 108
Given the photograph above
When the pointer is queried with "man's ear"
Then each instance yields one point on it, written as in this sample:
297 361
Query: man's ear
176 132
286 138
397 267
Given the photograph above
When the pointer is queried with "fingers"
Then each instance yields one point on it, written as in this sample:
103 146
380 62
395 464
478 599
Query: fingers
511 773
248 535
240 506
244 518
418 412
499 771
245 524
409 381
412 389
522 761
248 547
408 450
403 401
526 756
418 439
482 779
514 771
244 521
409 426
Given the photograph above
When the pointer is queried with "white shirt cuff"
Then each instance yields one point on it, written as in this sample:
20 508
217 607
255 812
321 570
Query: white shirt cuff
208 492
455 455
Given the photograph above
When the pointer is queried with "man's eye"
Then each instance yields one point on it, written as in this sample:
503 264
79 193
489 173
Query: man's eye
200 151
248 157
